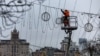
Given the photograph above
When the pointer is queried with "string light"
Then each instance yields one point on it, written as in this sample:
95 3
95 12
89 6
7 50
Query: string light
11 12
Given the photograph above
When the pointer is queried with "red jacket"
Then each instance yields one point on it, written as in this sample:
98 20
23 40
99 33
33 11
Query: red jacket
66 13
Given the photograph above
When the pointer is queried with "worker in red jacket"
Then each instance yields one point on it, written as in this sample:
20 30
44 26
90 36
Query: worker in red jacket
66 15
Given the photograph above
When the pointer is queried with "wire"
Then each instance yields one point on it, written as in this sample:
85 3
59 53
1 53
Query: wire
52 21
26 29
49 3
42 25
90 10
94 19
35 46
46 34
69 10
90 34
38 24
50 27
84 33
3 24
95 34
51 38
64 4
58 36
28 33
34 17
78 23
90 6
30 24
45 31
81 19
75 5
57 12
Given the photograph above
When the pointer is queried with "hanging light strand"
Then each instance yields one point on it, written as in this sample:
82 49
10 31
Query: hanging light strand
89 15
69 10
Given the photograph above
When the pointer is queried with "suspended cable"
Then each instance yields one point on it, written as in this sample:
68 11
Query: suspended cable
42 25
2 34
49 3
90 6
84 33
26 28
38 23
89 11
49 26
3 24
94 19
78 23
21 29
69 10
29 20
75 5
46 34
57 11
51 38
34 17
80 20
89 35
95 34
30 25
56 15
58 36
46 28
35 46
43 30
52 20
42 36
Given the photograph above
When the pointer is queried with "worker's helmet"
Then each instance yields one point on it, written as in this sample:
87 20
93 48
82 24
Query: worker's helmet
66 10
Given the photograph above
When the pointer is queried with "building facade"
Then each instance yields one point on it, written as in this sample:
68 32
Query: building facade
83 43
48 51
72 49
64 44
39 53
59 53
15 46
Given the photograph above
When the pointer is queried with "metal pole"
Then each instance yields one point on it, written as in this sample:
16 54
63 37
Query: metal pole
69 40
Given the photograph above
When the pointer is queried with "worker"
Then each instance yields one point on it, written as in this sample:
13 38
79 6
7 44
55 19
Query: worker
65 17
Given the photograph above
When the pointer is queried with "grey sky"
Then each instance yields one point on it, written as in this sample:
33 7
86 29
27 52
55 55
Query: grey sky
42 33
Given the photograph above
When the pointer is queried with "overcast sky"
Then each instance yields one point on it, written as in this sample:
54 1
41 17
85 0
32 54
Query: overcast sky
40 33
